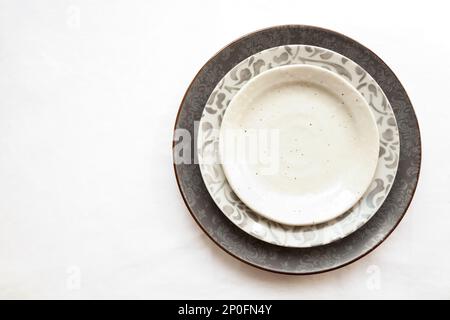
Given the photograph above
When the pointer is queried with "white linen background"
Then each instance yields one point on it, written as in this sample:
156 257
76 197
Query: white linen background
89 92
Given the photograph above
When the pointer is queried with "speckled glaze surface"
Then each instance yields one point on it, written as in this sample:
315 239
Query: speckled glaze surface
299 145
299 260
221 191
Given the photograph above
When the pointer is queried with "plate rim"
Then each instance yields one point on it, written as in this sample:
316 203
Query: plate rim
245 227
269 268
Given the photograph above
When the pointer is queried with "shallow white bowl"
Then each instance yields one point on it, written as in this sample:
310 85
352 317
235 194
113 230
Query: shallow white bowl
299 145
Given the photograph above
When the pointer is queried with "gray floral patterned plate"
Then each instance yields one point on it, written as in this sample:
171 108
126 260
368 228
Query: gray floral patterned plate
239 243
220 189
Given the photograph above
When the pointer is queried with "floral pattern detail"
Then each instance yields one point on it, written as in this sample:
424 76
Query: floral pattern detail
238 212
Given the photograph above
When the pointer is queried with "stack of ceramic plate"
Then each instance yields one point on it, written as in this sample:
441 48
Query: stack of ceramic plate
300 138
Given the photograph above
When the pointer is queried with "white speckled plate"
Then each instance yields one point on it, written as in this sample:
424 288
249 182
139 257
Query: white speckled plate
242 215
299 145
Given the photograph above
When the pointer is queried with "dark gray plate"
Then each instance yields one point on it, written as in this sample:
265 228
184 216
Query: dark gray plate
299 260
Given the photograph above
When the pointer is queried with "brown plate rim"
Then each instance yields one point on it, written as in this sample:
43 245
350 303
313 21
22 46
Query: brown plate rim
268 268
